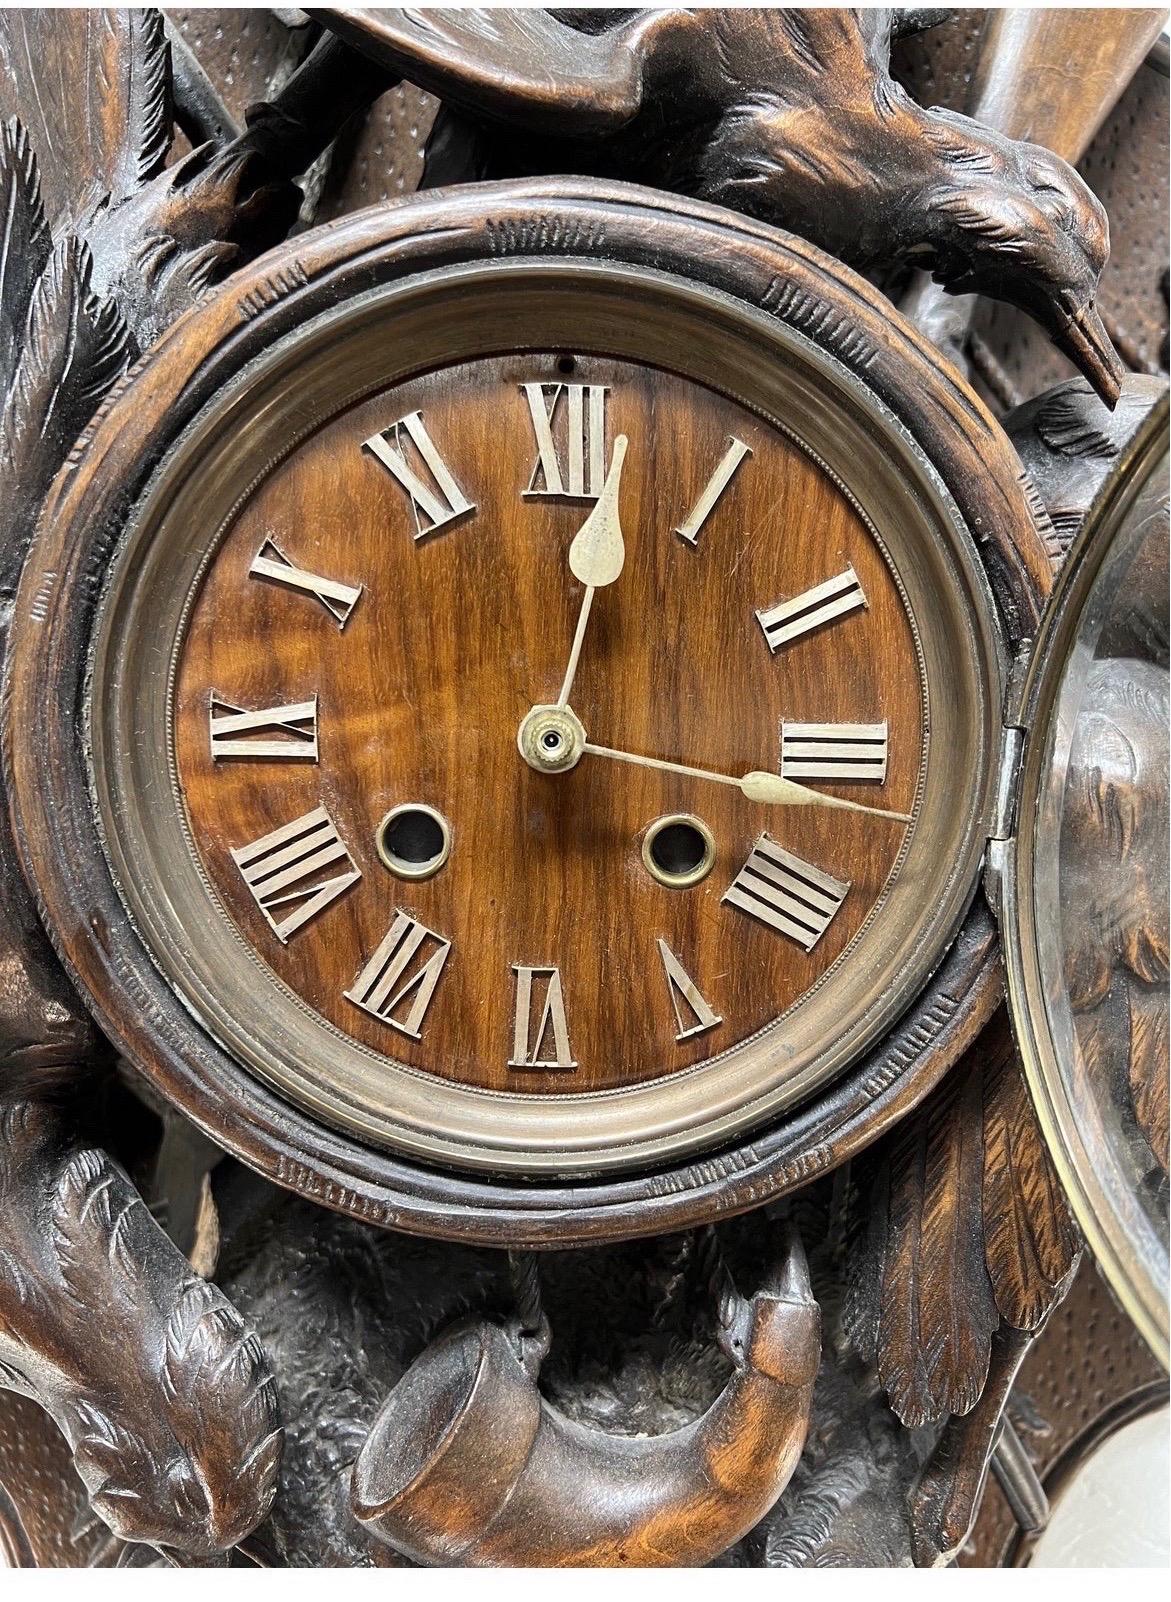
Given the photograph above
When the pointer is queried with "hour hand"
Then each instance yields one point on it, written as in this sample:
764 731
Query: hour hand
596 556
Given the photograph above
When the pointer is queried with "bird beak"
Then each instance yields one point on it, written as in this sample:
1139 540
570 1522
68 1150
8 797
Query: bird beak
1085 341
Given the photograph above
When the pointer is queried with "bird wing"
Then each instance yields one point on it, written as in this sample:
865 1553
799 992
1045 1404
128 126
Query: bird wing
524 65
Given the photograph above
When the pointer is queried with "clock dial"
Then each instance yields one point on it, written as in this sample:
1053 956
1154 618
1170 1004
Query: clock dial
379 614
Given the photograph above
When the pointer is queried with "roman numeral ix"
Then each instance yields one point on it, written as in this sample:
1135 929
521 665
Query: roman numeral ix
579 471
297 871
287 733
548 1047
436 499
834 751
788 894
387 980
789 620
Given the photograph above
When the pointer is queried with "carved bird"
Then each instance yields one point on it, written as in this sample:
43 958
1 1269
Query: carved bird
148 1371
790 115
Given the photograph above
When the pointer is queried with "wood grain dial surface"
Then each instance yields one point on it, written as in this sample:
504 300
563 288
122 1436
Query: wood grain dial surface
456 634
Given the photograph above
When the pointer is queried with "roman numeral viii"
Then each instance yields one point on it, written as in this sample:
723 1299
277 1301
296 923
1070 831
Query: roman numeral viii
548 1046
788 894
789 620
339 600
297 871
387 980
287 733
833 751
436 499
578 471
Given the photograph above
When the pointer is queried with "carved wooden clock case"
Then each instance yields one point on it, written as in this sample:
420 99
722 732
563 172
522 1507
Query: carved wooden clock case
307 574
528 715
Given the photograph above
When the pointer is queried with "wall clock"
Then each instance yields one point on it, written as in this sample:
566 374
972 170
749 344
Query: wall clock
541 658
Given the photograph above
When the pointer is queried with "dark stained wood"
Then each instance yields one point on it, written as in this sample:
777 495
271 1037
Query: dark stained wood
789 114
467 1464
741 258
457 635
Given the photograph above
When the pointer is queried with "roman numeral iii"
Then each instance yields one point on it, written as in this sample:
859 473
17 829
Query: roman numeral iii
833 751
436 499
788 894
789 620
716 485
297 871
339 600
548 1045
285 733
387 980
692 1013
579 470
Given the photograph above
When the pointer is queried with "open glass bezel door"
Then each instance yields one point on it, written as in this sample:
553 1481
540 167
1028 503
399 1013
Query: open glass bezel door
1122 1212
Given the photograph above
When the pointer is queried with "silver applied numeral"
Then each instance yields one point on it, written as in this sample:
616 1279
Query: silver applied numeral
284 870
531 1050
716 485
580 473
385 983
834 751
339 600
433 505
788 894
684 993
789 620
284 733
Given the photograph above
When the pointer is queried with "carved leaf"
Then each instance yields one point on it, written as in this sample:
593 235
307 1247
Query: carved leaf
74 347
1031 1243
24 242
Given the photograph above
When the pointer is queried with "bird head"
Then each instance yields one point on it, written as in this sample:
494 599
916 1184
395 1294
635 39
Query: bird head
187 1459
1013 221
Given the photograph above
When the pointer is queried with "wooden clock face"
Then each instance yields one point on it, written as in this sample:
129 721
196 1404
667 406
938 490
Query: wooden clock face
381 614
316 667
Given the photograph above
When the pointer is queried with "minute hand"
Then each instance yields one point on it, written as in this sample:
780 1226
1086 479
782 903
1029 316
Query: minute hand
768 788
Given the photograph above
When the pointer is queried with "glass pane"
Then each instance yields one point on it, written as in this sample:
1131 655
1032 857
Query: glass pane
1100 893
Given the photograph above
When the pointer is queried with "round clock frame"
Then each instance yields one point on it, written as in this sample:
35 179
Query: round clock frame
789 296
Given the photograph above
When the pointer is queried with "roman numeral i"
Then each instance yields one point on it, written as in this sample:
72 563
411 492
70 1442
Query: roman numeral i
339 600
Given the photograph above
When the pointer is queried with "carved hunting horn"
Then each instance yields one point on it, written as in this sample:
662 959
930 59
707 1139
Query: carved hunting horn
468 1464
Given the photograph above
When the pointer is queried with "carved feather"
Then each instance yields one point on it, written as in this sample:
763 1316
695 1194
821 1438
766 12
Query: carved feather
92 87
24 241
74 347
1030 1241
1148 1064
92 1216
